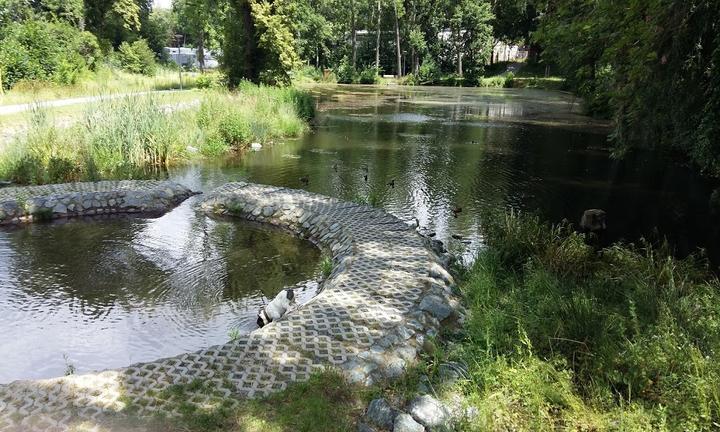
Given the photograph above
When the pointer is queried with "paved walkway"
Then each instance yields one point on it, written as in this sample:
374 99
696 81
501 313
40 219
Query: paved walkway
14 109
386 294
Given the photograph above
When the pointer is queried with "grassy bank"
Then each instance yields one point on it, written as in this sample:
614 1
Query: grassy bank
558 336
104 81
138 137
563 337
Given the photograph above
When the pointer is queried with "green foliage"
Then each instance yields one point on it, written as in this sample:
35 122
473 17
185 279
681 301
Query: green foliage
135 137
326 266
158 31
210 81
137 57
253 114
562 335
429 72
276 41
345 73
369 76
651 66
509 80
43 51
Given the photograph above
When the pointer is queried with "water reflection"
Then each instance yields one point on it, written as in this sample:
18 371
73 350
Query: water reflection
113 292
478 149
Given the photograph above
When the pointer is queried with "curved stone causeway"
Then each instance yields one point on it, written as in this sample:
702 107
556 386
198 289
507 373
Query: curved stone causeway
31 203
386 294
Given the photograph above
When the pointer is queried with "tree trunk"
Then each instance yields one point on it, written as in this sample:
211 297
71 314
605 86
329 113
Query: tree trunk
459 60
201 52
354 33
250 52
397 42
377 37
412 59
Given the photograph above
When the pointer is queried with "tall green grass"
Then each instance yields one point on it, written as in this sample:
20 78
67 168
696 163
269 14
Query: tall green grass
563 337
138 137
104 81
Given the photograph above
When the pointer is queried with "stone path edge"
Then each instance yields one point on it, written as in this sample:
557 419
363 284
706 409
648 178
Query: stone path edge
388 292
25 204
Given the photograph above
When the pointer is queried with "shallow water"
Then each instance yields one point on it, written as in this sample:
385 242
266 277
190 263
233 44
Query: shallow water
112 292
94 294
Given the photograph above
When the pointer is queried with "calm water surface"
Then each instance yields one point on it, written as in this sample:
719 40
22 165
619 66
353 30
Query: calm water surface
94 294
112 292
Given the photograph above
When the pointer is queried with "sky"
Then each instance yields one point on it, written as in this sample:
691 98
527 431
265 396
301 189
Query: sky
162 4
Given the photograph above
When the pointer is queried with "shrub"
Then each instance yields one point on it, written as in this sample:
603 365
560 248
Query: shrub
428 73
495 81
369 76
509 80
46 51
137 57
209 81
345 73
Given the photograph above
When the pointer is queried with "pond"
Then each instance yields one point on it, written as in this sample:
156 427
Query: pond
108 293
479 149
89 294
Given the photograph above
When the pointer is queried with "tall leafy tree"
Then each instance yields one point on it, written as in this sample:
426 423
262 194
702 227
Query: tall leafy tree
471 34
651 65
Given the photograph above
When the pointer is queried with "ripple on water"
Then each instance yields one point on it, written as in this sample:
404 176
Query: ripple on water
110 293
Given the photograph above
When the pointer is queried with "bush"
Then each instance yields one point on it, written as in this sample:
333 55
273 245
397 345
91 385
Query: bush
369 76
137 57
46 51
209 81
495 81
345 73
561 334
264 113
509 80
428 73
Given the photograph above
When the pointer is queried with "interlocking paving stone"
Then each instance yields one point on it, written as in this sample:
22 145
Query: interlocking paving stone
28 203
366 321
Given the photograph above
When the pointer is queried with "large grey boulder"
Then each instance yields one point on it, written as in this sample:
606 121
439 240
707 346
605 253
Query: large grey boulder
405 423
436 306
430 412
380 413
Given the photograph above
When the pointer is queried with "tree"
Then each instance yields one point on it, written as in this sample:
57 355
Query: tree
158 30
471 34
275 40
196 16
259 45
241 58
650 65
378 19
399 12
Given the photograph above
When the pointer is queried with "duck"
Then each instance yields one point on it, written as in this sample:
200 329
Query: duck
304 180
456 210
